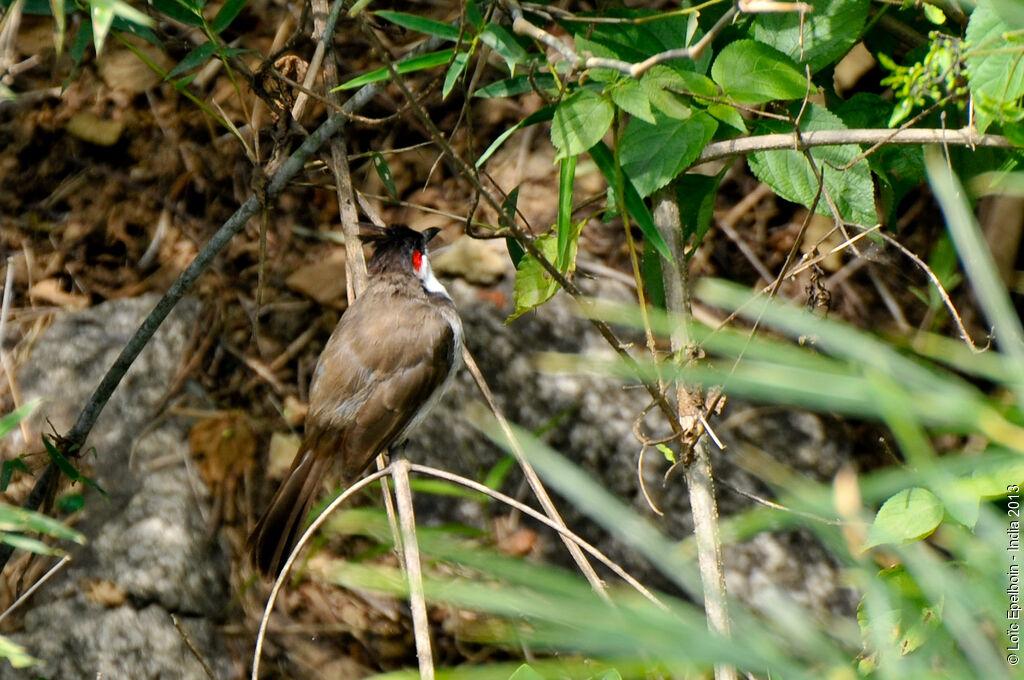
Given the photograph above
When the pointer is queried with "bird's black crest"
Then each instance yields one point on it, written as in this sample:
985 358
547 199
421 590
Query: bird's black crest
396 242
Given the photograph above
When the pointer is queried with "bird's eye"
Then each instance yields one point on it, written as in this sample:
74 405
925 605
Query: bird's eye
417 260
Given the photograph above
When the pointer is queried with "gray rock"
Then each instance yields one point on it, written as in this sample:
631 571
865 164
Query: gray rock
149 553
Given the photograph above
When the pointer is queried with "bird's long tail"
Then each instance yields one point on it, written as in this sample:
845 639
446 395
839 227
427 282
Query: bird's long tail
281 525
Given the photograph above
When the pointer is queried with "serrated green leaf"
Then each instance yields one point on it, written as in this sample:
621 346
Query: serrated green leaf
789 175
534 285
421 24
663 86
754 73
194 59
227 13
419 63
633 41
995 70
380 164
728 115
605 161
454 71
909 515
818 38
629 95
579 122
653 155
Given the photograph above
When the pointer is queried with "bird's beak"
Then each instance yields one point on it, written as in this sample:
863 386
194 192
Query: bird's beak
430 233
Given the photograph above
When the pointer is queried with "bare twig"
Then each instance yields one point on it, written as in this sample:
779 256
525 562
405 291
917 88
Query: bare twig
745 145
35 586
699 479
192 647
531 475
312 529
413 570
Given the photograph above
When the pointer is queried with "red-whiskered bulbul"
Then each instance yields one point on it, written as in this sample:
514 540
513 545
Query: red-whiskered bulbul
390 358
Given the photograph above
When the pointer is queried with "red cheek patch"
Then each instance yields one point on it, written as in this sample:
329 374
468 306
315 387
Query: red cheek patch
417 260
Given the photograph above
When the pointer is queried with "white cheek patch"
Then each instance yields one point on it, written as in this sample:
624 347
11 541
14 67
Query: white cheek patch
430 282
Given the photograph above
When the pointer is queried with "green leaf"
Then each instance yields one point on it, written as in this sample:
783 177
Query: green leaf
534 285
508 208
788 174
995 71
663 86
580 121
7 471
517 85
992 478
18 519
650 268
380 164
630 96
71 503
12 419
227 13
728 115
424 61
179 11
506 45
1011 12
69 470
197 57
696 196
423 25
909 515
754 73
28 544
565 227
60 20
633 41
605 161
540 116
102 16
653 155
454 71
16 654
818 38
497 474
524 672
